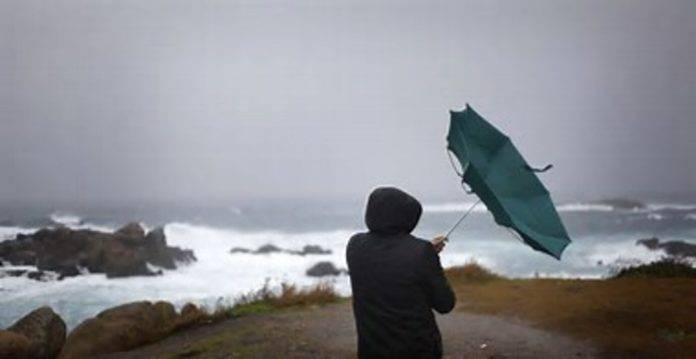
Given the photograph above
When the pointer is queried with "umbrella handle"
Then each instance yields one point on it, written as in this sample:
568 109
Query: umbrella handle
461 219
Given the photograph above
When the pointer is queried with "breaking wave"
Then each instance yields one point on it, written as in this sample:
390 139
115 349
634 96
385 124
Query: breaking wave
584 207
454 207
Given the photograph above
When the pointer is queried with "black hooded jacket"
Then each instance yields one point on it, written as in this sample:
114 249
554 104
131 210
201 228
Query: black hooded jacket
397 281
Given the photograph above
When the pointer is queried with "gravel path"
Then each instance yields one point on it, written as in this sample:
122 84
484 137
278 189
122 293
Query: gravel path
329 332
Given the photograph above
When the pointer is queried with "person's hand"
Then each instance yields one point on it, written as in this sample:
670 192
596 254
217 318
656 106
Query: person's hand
439 243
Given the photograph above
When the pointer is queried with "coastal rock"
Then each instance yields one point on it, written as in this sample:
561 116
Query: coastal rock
31 274
190 315
125 263
13 345
156 249
119 329
131 230
44 330
314 249
240 250
322 269
65 251
270 248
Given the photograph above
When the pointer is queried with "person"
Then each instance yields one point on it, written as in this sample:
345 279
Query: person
397 281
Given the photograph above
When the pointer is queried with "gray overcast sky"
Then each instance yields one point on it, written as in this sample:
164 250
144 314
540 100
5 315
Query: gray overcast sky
105 100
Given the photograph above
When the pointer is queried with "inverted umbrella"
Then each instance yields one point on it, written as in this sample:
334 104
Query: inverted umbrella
495 171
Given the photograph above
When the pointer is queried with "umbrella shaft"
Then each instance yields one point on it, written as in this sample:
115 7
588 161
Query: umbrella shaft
461 219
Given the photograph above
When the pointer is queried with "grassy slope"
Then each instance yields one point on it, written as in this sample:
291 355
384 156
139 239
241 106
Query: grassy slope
626 316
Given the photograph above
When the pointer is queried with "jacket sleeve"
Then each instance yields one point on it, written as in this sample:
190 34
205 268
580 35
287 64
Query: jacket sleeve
437 287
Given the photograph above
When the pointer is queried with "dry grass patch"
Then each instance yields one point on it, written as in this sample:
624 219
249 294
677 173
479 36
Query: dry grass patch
290 295
470 272
627 316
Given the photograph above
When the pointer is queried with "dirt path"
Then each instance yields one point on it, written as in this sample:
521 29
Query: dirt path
329 332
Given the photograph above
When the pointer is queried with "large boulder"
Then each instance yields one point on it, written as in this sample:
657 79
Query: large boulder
120 328
191 315
13 345
268 248
314 249
44 330
322 269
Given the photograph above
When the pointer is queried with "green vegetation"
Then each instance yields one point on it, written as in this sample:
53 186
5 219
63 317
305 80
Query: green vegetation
664 268
266 300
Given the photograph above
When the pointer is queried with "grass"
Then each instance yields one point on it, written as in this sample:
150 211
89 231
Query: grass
290 296
627 316
253 342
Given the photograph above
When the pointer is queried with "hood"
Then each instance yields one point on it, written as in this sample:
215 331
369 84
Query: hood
392 211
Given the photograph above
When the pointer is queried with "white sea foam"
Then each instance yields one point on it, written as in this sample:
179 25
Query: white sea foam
67 219
11 232
74 221
464 206
691 216
584 207
656 216
671 206
454 207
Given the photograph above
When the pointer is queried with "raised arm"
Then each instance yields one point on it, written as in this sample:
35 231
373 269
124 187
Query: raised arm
437 287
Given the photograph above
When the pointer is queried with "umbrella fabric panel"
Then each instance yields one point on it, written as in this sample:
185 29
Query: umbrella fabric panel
500 176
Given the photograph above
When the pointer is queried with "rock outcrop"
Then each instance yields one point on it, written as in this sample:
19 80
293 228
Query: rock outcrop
65 251
45 331
323 269
270 248
13 345
38 275
126 327
39 334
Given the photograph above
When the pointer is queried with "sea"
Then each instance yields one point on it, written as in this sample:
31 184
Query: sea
603 239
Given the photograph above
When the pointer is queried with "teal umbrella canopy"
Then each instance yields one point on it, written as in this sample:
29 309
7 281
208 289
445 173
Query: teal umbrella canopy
495 170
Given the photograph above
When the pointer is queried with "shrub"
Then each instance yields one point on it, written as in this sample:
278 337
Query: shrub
663 268
470 272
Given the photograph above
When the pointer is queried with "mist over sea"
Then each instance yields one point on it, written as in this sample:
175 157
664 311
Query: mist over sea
602 237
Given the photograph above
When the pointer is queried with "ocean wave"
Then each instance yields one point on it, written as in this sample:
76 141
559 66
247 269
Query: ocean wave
671 206
584 207
11 232
450 207
464 206
67 219
74 221
656 216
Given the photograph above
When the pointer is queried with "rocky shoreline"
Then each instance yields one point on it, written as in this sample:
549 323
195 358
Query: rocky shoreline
42 333
62 252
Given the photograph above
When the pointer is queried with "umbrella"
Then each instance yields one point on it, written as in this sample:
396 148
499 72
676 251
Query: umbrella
495 171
